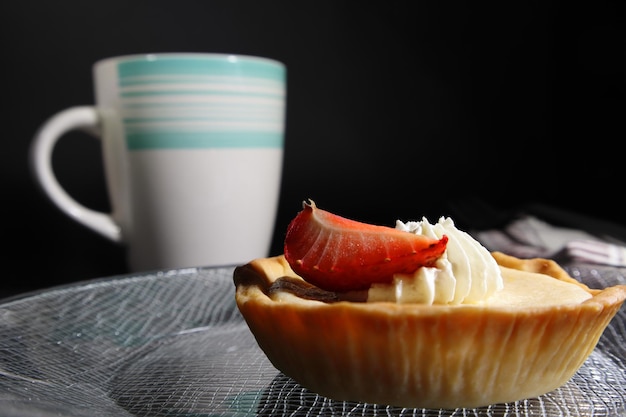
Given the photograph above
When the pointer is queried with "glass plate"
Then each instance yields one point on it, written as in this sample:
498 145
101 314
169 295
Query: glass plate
173 343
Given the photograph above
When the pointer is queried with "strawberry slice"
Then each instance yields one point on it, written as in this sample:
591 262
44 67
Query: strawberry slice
338 254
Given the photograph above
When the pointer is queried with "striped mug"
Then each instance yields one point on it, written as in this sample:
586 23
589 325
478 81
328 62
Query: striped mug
192 148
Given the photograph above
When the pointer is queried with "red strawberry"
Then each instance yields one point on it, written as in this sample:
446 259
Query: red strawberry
338 254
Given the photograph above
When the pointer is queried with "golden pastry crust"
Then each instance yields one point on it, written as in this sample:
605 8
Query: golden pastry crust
414 355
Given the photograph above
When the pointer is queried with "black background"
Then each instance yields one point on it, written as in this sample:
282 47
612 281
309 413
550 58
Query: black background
395 109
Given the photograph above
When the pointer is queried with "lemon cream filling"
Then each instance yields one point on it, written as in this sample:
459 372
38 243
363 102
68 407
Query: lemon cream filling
465 274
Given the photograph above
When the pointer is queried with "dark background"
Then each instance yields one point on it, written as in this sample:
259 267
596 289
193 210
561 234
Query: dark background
395 110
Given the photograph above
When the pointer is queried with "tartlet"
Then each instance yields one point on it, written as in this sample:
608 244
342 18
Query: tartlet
528 340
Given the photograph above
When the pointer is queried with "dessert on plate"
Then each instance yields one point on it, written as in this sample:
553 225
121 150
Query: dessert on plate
420 315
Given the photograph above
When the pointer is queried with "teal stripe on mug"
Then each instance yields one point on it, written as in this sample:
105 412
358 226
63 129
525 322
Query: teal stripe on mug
199 65
195 140
192 92
185 79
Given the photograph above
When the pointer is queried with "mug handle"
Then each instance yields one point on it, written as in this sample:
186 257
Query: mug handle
84 118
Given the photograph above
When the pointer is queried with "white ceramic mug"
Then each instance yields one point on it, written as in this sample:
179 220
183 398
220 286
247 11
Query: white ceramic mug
192 145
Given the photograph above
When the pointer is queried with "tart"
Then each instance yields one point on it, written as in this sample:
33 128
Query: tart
526 340
518 346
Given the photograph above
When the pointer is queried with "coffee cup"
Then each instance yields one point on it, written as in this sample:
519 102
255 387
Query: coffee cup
192 147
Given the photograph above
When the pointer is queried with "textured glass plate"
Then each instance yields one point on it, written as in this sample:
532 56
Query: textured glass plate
173 344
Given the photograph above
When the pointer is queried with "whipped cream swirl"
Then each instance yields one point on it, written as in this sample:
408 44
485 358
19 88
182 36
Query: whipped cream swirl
465 274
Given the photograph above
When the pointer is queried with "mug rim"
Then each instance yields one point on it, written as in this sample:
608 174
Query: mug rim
154 56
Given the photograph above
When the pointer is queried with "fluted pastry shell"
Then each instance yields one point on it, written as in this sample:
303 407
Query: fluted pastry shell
512 347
